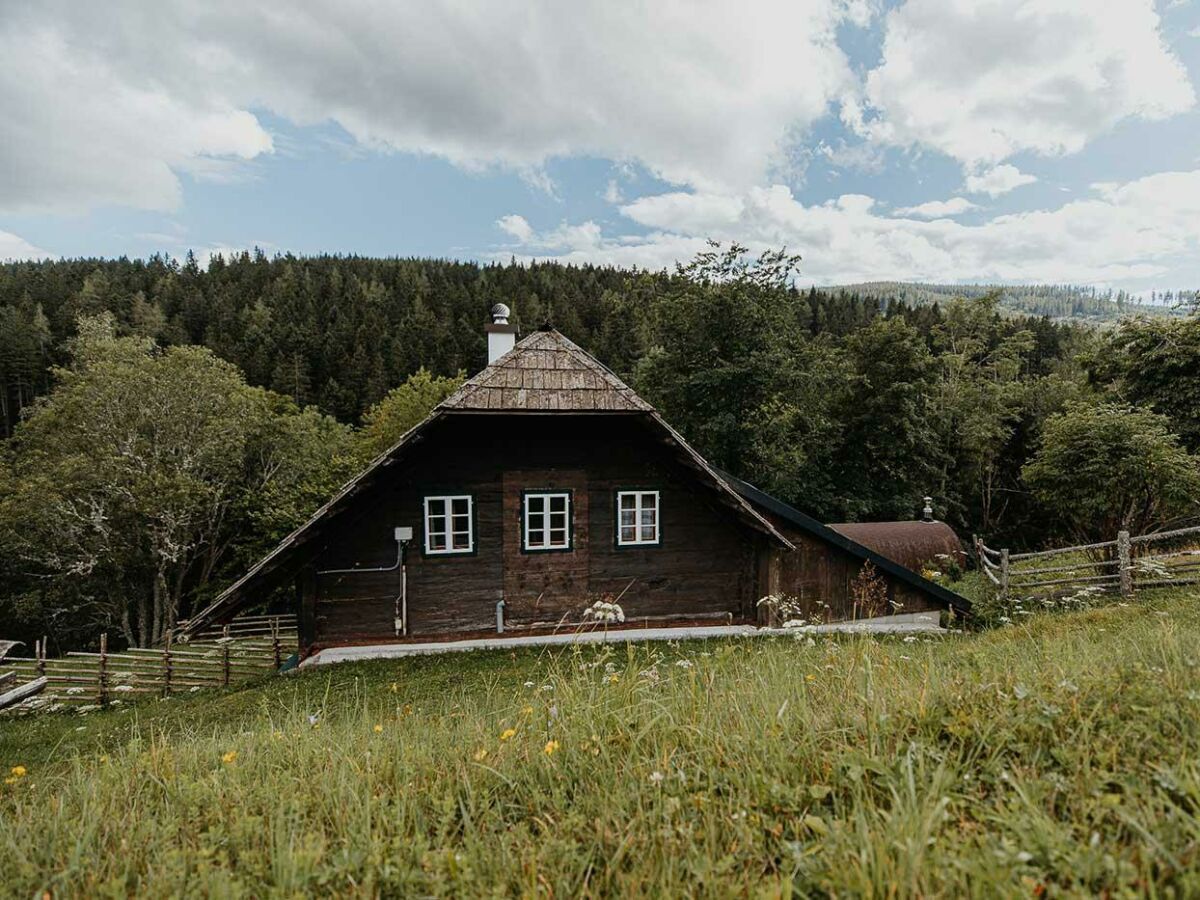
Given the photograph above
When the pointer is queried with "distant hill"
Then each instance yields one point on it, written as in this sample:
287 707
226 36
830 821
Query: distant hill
1058 301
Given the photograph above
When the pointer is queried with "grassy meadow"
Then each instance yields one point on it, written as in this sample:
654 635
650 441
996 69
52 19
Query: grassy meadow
1058 757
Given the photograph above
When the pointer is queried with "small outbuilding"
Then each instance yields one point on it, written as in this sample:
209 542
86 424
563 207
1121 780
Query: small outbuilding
542 486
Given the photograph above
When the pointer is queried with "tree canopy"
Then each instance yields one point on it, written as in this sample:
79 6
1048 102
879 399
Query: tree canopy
1103 467
146 472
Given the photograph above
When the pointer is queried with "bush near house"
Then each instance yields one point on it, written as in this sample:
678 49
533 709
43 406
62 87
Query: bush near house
1055 757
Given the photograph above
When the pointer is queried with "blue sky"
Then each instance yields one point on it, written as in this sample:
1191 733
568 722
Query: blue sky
938 140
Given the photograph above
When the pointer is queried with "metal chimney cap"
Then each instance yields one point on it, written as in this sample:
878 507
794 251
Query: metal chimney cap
927 512
500 314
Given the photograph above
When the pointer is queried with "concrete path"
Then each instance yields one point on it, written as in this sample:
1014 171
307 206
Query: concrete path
910 623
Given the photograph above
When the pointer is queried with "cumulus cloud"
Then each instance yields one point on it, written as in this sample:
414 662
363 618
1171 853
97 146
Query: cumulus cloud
938 209
516 226
981 80
13 247
1123 234
108 103
997 180
80 133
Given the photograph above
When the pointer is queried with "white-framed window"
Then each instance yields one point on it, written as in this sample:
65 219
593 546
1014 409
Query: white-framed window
638 519
547 524
450 524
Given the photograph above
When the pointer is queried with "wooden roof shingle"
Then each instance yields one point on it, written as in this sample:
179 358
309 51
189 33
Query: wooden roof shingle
546 371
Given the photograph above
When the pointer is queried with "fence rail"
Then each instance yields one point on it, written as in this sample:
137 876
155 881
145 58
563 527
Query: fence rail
1139 561
245 648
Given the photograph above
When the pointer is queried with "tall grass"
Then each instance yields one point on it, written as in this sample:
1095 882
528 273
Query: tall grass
1058 757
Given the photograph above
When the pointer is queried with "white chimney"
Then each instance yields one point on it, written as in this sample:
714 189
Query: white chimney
501 335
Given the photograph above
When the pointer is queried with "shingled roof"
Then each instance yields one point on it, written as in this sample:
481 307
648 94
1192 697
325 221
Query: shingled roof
546 371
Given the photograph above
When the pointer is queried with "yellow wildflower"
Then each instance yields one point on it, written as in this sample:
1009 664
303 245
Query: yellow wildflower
104 760
395 687
810 677
480 755
12 779
229 758
18 771
527 711
378 729
408 710
508 734
551 747
614 678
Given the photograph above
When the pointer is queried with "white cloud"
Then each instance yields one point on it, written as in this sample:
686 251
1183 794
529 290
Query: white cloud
1121 235
938 209
108 103
78 133
516 226
997 180
981 80
13 247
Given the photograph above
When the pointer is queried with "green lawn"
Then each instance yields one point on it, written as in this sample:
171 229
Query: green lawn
1058 757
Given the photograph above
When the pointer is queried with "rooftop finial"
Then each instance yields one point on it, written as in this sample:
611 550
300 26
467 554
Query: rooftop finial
500 314
927 512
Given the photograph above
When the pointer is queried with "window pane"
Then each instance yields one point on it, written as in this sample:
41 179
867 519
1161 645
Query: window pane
535 504
628 534
558 504
627 517
558 520
649 533
648 517
448 526
536 537
649 501
558 537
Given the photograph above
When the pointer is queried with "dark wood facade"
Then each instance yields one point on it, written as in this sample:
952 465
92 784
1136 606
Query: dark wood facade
704 568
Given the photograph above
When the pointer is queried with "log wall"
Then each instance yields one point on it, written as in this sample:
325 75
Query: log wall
705 566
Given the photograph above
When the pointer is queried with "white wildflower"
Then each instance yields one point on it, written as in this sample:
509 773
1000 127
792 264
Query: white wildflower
603 611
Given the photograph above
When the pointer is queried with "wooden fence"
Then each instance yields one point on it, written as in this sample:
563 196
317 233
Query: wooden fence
246 648
1119 566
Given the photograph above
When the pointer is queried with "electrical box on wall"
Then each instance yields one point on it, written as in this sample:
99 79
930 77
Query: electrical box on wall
404 533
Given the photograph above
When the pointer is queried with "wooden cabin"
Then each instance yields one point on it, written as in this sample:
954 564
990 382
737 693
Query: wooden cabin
544 485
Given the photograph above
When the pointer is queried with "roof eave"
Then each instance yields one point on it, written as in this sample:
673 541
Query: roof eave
952 600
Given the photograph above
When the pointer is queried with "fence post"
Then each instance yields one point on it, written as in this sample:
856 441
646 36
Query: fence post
102 672
275 642
225 658
167 666
1004 573
39 653
1123 554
